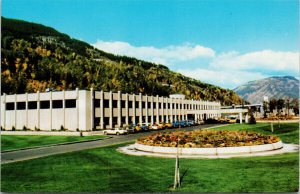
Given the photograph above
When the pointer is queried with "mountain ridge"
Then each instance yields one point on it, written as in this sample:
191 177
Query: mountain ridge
36 57
273 87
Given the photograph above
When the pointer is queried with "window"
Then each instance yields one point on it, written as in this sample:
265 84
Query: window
10 106
44 104
165 105
106 103
159 105
149 105
115 104
21 105
129 104
123 119
123 103
32 105
136 104
106 121
70 103
57 104
143 104
97 103
169 105
97 121
154 105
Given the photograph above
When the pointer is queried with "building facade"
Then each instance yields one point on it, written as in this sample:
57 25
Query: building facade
94 110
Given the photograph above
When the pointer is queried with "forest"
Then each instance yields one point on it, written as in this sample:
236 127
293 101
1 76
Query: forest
36 57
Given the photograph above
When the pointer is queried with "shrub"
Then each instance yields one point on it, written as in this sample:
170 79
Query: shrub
252 120
13 128
36 129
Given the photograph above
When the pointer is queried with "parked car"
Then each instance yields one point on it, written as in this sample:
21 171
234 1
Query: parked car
115 131
155 127
144 126
179 124
191 122
168 125
131 128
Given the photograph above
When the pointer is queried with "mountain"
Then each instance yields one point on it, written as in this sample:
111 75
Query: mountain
272 87
36 57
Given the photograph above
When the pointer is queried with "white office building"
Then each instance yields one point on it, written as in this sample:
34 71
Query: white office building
94 110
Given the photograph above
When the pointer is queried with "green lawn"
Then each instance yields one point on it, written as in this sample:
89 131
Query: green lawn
12 142
106 170
288 132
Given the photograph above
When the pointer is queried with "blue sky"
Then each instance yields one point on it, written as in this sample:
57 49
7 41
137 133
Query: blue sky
223 42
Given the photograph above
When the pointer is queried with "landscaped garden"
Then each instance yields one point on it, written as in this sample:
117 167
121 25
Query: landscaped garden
207 139
107 170
15 142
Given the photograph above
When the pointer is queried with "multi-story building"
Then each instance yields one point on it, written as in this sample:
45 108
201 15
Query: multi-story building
93 110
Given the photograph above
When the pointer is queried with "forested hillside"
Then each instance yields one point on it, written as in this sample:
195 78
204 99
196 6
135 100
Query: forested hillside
36 57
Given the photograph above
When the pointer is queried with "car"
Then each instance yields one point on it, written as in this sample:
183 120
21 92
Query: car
115 131
191 122
179 124
168 125
232 120
144 126
131 128
154 127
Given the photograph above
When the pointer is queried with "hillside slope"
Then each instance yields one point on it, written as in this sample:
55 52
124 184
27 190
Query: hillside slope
272 87
36 57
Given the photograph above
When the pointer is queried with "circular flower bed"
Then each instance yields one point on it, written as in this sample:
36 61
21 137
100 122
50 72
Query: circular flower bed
207 139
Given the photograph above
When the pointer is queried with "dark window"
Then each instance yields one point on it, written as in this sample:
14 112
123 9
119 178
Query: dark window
154 105
123 119
129 104
32 105
57 104
10 106
136 104
106 103
143 104
173 106
149 104
97 121
159 105
106 121
169 105
44 104
165 105
21 105
123 103
97 103
115 104
115 121
70 103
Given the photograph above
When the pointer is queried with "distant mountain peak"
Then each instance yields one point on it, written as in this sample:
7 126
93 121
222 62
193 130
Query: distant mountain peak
272 87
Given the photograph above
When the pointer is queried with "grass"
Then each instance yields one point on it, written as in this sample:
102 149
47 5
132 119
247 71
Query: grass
14 142
106 170
288 132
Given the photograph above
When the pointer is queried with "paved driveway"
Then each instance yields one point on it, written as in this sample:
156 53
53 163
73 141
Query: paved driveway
9 157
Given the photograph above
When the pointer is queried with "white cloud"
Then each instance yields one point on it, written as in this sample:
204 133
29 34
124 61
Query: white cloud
228 70
224 78
263 60
166 55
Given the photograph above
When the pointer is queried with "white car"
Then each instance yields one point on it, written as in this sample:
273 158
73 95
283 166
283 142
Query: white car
115 131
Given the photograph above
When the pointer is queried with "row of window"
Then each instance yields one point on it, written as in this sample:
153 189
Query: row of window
137 104
45 104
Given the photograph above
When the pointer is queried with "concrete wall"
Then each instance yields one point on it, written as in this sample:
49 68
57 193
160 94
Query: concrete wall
96 110
69 109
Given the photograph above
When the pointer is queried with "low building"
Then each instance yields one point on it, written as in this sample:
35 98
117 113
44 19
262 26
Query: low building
94 110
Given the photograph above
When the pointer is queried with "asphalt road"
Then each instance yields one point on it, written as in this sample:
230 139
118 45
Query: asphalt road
15 156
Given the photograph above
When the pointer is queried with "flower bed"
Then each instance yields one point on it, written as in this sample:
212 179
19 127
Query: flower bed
207 139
